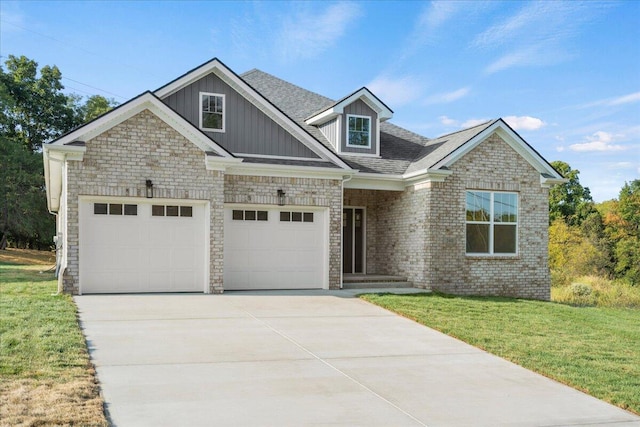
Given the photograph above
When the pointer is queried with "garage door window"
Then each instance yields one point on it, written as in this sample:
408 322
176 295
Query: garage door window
296 216
248 215
114 209
171 210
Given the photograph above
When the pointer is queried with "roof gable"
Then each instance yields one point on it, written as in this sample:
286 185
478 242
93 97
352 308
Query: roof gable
145 101
337 108
256 98
442 152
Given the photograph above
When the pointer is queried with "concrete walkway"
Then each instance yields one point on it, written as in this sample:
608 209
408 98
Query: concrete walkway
308 358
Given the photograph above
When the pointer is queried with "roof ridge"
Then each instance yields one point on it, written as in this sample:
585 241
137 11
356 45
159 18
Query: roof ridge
389 123
466 129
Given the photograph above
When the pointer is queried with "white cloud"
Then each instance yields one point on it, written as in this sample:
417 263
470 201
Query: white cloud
448 121
473 122
599 141
524 122
611 102
308 33
536 35
626 99
443 98
396 92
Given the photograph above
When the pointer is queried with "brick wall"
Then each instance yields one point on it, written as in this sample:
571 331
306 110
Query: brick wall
118 162
491 166
299 192
420 232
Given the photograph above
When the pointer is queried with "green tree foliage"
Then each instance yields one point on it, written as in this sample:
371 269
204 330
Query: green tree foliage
570 201
24 219
95 106
622 225
33 111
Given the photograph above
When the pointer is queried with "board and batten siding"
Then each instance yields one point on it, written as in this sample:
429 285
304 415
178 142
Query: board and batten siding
331 130
360 108
247 129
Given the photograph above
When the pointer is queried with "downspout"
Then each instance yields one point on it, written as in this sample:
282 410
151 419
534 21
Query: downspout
58 243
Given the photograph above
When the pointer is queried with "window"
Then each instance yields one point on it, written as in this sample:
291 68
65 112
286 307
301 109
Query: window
131 209
296 216
114 209
99 208
358 131
212 112
491 222
239 215
163 210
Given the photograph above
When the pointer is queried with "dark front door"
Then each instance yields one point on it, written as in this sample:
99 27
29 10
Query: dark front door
353 240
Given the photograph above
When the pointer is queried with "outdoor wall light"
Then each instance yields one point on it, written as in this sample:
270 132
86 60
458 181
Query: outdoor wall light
149 189
281 197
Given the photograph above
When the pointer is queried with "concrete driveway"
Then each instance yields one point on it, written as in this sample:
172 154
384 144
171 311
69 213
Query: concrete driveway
307 358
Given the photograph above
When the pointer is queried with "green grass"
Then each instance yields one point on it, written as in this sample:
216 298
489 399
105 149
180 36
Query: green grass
593 349
45 374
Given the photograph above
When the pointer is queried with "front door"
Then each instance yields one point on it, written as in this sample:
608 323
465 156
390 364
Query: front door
353 240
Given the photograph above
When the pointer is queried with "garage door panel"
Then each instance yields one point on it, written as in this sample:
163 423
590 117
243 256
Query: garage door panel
141 253
274 254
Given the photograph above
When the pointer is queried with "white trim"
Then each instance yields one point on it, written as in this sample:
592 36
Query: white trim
269 156
255 169
371 181
364 94
512 139
356 154
145 101
224 106
492 223
256 99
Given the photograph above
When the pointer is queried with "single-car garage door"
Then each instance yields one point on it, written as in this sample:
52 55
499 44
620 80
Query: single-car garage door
142 246
275 248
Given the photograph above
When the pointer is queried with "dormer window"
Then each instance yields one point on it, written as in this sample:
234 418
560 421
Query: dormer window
212 112
358 131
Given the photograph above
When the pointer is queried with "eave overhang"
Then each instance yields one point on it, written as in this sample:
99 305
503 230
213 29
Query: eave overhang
54 159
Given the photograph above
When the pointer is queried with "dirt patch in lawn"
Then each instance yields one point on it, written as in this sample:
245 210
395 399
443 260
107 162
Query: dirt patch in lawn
36 403
27 256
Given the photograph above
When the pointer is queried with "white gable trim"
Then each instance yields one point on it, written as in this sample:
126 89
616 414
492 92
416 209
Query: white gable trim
146 101
250 94
365 95
512 139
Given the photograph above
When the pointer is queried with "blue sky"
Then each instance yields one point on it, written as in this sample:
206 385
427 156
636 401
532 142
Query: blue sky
565 75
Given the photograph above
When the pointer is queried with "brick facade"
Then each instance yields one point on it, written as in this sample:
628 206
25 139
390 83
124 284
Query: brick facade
118 162
420 232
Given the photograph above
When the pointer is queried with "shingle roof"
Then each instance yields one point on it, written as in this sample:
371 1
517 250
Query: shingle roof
400 149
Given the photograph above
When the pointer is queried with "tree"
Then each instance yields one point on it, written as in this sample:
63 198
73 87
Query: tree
34 109
570 201
23 210
95 106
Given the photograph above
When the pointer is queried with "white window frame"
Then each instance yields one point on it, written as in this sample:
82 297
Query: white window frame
348 144
492 223
224 107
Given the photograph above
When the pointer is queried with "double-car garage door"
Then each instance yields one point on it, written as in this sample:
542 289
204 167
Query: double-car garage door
163 246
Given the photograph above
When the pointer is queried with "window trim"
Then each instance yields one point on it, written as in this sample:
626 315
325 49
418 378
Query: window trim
348 143
224 107
492 223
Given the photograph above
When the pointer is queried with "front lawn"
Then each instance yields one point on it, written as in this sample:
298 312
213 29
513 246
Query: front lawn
45 374
596 350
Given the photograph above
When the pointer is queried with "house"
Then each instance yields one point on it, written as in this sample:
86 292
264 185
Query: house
218 181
